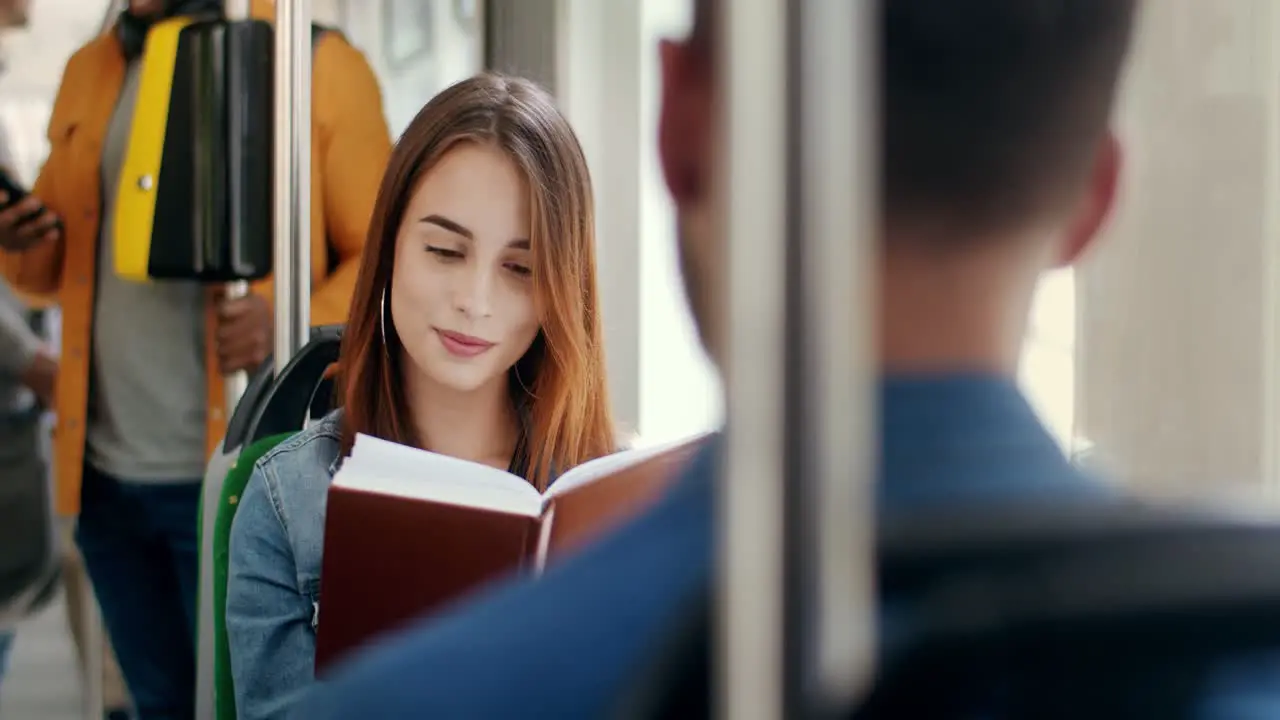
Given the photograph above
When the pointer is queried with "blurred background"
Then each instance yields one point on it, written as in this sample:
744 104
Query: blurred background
1158 359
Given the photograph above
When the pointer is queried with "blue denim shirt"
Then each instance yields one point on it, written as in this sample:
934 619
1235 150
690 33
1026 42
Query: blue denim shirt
273 574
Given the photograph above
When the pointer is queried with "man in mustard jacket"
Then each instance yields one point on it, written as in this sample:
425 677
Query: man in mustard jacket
140 391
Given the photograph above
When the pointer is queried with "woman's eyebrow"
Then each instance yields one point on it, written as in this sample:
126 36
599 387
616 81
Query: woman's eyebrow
458 228
447 224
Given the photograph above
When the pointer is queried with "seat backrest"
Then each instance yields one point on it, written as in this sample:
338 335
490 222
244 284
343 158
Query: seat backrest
255 394
210 500
1115 612
232 488
275 407
291 399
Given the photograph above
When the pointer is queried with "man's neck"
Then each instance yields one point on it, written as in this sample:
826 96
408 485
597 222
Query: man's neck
953 314
480 426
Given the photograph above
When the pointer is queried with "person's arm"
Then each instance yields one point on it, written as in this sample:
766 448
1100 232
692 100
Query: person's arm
7 162
37 269
23 354
354 150
18 342
269 631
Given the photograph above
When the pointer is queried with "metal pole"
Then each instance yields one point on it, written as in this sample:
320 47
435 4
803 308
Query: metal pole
114 8
833 448
235 383
750 644
292 120
234 386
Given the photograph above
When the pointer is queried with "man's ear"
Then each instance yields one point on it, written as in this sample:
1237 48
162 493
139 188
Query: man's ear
683 121
1098 201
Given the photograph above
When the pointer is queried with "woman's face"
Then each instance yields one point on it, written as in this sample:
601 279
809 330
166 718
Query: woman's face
462 287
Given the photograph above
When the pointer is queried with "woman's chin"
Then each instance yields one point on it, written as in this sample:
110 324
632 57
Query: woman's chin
458 377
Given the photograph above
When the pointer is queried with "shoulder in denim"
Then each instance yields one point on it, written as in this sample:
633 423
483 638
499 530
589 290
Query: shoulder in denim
297 474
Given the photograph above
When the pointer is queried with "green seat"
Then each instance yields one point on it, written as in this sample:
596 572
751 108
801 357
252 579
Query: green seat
215 477
272 410
237 478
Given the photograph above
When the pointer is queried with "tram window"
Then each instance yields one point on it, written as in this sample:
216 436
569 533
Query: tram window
34 58
1047 371
679 392
416 47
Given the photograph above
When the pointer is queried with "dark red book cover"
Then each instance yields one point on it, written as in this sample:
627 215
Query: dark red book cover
407 531
389 560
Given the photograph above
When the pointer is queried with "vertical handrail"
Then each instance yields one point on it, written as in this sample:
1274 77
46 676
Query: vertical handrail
114 7
211 498
291 115
292 188
798 596
832 447
753 64
235 383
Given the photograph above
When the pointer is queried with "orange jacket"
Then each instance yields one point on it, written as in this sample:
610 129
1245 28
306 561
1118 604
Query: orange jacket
350 144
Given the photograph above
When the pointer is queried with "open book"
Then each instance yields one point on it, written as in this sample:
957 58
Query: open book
408 530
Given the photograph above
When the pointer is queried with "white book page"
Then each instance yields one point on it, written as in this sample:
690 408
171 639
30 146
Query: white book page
602 467
388 468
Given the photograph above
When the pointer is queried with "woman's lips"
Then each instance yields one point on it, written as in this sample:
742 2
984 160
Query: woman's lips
460 345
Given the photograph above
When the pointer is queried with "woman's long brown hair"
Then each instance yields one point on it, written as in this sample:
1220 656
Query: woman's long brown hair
560 382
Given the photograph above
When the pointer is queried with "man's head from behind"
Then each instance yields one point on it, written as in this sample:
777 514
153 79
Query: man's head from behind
995 135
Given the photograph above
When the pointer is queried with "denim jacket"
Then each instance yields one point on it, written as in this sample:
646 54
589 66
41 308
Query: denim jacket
273 575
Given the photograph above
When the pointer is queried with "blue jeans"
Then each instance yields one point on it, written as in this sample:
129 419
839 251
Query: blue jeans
141 552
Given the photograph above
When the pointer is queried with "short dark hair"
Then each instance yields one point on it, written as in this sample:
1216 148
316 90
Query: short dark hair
991 109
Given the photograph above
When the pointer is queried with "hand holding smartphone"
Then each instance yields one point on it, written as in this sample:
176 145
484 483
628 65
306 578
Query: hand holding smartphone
24 220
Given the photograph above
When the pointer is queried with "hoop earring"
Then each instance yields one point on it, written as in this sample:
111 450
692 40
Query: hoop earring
382 319
515 370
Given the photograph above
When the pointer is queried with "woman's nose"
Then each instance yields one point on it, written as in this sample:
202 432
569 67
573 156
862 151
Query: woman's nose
473 295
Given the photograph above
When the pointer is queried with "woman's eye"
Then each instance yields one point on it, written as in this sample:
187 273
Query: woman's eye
444 253
520 270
